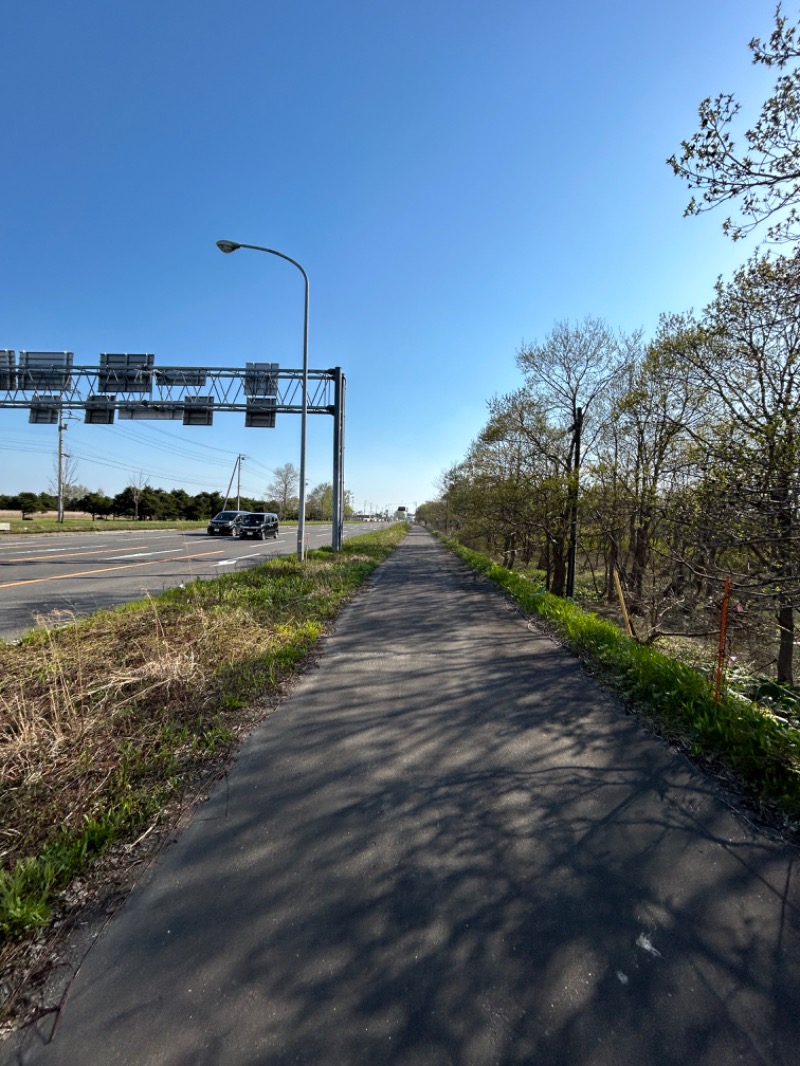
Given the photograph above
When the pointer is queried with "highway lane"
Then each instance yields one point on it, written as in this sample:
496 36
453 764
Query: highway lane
52 578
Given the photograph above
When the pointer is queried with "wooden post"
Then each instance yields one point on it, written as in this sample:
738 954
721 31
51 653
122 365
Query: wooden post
628 625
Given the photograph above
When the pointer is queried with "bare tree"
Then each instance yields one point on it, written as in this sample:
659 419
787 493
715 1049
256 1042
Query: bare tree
70 486
283 486
529 456
653 407
137 487
569 375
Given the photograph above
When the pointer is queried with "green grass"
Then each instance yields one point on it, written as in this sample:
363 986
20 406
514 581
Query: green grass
761 750
87 525
107 721
27 890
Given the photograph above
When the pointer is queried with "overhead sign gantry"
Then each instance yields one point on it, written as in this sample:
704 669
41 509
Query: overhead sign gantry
131 386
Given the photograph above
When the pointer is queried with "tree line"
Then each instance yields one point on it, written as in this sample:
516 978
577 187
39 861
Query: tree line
671 463
136 502
141 501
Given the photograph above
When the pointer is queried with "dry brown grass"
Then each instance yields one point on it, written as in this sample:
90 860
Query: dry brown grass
5 516
106 723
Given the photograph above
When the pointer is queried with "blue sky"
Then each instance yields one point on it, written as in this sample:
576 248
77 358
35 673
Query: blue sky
455 178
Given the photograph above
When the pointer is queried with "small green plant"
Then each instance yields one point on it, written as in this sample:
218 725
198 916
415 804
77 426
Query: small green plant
27 890
24 897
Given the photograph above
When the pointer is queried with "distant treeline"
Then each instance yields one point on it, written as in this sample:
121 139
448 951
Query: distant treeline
138 503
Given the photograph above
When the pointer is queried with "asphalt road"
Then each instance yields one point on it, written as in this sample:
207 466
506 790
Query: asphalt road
448 847
54 577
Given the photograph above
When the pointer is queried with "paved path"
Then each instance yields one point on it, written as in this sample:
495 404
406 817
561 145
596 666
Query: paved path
449 847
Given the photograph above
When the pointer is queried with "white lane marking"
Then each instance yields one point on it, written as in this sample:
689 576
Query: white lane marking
142 555
41 551
226 562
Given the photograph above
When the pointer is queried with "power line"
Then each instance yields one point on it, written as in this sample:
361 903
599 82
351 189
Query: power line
138 469
45 449
142 436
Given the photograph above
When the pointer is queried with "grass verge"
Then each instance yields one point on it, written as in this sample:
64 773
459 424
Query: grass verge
108 723
101 525
744 739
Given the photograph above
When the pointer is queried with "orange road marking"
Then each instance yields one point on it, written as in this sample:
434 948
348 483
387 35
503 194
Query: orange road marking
104 570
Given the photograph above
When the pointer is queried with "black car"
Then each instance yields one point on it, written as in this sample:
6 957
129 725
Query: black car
260 524
226 522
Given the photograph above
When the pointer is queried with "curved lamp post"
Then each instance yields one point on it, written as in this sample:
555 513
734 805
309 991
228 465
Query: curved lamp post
231 246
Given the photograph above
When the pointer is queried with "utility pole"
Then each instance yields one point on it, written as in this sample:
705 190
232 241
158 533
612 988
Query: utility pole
572 560
239 482
62 427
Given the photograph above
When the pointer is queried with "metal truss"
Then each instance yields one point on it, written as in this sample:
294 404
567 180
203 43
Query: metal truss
131 386
135 387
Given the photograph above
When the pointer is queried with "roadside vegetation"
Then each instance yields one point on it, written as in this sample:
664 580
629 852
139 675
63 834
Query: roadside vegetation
110 726
43 524
755 742
143 502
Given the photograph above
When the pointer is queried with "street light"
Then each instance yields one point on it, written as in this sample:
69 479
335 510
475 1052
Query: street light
231 246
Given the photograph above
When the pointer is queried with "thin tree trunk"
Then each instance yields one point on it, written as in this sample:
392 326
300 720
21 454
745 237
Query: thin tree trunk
786 643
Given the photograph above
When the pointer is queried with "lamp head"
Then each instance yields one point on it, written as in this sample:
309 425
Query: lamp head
228 246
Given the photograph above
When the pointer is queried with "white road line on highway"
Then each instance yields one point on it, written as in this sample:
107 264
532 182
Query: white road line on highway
41 551
227 562
142 555
63 554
